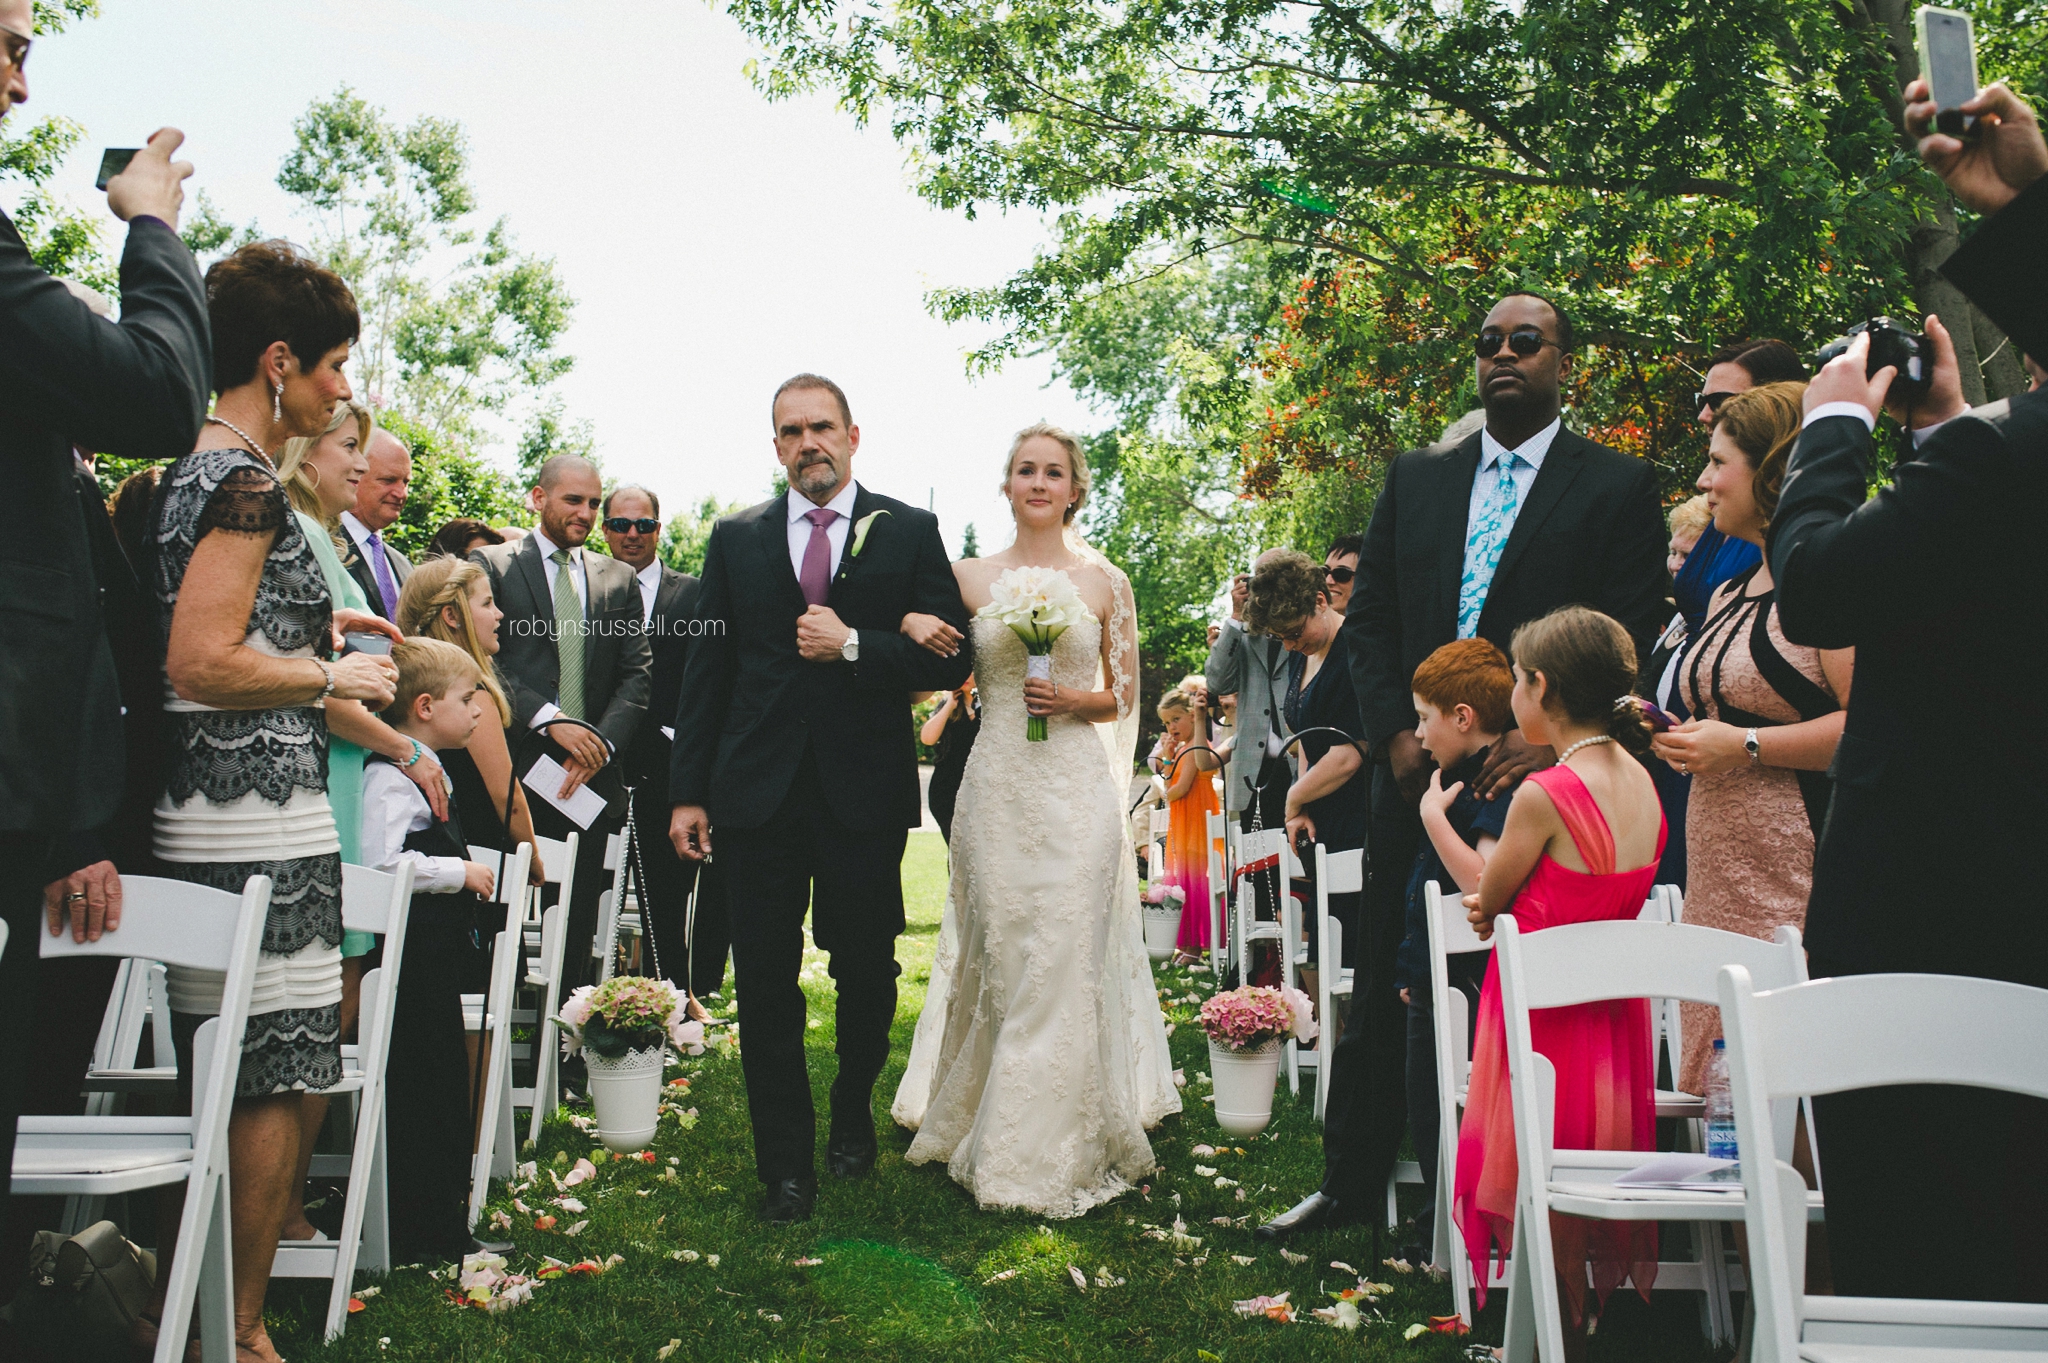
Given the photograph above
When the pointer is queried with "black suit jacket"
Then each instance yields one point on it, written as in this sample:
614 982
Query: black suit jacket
1938 583
617 667
669 639
751 705
1591 533
2004 270
359 568
138 389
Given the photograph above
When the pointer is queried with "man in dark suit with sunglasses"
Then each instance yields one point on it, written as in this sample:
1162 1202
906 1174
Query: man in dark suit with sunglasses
1473 539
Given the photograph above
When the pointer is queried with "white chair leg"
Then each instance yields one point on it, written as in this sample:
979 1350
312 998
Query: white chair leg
1519 1343
215 1290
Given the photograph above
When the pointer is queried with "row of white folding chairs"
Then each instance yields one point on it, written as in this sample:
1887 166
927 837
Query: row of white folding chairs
489 1015
101 1156
1793 1041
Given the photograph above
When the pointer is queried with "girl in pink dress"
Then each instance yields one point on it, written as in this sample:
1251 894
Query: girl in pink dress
1581 845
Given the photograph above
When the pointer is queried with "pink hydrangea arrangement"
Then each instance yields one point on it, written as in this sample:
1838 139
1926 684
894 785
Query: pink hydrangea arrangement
1162 895
1254 1015
628 1013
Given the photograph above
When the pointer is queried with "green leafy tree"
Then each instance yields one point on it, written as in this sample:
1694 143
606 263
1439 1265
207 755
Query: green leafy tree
61 238
688 534
970 545
449 479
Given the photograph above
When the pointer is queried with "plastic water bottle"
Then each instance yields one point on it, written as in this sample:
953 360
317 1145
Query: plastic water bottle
1720 1105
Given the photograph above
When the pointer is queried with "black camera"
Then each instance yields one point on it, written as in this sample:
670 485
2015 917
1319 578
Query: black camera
1890 344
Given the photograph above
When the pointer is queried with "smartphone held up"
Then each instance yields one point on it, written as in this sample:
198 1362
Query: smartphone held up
1948 63
112 162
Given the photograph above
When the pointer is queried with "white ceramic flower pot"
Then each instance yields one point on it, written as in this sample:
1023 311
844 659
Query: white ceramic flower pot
1244 1086
1162 930
627 1095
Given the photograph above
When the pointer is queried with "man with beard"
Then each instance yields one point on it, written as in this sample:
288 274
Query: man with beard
1474 540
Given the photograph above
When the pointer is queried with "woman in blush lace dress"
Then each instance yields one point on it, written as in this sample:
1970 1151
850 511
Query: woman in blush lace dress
1041 1055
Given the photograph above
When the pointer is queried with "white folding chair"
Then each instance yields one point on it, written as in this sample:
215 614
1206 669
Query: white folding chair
1451 934
140 1000
490 1016
604 944
1258 852
544 937
1219 890
1336 873
1859 1032
1293 955
1582 963
377 902
202 929
1159 819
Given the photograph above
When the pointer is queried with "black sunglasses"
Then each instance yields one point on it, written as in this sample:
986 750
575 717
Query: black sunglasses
1711 400
1340 576
619 525
1524 342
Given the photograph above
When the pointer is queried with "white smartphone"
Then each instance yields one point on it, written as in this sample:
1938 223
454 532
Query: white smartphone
1948 61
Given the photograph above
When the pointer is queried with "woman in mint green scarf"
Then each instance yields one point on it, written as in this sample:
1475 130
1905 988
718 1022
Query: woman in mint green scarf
320 477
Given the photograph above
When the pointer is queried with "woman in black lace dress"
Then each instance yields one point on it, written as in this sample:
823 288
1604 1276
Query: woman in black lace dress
251 658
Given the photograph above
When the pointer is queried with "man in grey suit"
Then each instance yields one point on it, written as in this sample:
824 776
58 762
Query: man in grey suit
379 569
573 651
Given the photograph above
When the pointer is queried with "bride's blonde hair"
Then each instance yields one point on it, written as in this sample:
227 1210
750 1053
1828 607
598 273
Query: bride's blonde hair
1077 460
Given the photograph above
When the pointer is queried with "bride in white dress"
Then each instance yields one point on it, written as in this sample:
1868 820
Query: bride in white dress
1041 1056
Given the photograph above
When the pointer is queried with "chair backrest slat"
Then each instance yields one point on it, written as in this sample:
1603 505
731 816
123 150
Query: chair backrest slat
369 900
1346 871
173 921
1625 959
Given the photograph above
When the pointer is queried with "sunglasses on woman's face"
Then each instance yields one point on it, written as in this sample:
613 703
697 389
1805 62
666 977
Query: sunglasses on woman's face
1340 576
619 525
1524 342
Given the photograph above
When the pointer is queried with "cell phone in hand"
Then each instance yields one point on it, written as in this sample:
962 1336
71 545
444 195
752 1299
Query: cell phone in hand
1948 61
113 161
363 642
1658 721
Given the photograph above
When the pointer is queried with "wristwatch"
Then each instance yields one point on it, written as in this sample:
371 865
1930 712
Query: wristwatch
1756 754
850 650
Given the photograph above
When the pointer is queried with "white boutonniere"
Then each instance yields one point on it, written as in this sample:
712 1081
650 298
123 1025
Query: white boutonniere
860 531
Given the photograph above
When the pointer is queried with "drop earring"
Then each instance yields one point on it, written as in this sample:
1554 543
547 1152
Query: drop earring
277 402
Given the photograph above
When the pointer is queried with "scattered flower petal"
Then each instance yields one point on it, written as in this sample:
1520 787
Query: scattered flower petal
583 1172
1004 1276
806 1263
1204 1171
543 1223
577 1229
1202 1150
1344 1315
1415 1331
686 1256
1291 1257
1241 1260
1399 1265
769 1316
1080 1278
666 1351
1272 1308
1449 1325
570 1205
1339 1263
711 1259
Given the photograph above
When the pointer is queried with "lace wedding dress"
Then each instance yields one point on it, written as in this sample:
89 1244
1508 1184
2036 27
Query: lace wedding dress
1041 1055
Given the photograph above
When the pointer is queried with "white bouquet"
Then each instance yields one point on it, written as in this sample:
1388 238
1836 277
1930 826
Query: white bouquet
1040 604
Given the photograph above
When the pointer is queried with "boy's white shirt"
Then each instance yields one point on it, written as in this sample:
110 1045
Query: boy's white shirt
394 807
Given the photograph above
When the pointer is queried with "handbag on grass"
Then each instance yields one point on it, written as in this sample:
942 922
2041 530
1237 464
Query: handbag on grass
83 1294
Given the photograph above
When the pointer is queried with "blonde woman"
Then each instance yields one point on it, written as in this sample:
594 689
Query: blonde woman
320 474
450 599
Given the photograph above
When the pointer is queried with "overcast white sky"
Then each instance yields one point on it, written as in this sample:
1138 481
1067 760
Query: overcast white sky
716 243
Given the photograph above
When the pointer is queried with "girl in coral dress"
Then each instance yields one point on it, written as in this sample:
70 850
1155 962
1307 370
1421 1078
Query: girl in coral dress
1191 799
1581 845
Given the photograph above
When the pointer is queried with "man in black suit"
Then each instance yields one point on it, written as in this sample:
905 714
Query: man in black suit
379 569
695 960
573 647
136 388
1937 583
1516 520
793 739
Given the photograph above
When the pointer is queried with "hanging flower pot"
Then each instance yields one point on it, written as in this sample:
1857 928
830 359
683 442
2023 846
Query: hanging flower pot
1163 905
624 1027
1246 1029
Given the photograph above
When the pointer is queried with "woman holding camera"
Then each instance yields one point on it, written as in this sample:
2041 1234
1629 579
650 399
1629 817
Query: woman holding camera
1768 714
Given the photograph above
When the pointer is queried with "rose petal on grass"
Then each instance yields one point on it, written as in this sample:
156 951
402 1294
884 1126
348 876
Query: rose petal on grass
1399 1265
1415 1331
1241 1260
1291 1257
1272 1308
1204 1171
685 1256
768 1315
666 1351
1449 1325
582 1173
711 1259
577 1229
570 1205
543 1223
1004 1276
1080 1278
1339 1263
355 1304
805 1263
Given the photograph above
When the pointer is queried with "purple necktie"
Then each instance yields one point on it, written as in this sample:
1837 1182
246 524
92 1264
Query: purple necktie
380 565
816 578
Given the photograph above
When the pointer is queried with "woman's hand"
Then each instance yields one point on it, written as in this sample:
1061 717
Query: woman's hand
368 677
348 620
1480 919
1299 825
1436 800
536 874
1044 699
427 775
1700 746
931 633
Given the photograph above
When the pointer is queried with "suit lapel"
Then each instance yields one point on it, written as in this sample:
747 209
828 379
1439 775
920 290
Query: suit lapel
1452 507
863 505
772 536
526 562
666 588
1560 466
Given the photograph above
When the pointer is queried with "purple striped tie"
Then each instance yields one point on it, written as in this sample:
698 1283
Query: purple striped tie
380 565
816 578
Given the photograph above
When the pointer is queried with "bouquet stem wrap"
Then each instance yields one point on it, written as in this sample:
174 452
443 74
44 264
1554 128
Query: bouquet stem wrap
1039 605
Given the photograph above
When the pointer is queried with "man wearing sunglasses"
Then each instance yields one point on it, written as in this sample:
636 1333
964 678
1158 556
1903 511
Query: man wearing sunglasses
668 600
1468 539
1739 367
136 389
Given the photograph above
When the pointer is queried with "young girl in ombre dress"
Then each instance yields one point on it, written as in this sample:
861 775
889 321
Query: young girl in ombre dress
1187 760
1581 845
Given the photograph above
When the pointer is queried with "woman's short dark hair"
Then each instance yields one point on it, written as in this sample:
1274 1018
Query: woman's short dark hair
270 291
1284 592
454 538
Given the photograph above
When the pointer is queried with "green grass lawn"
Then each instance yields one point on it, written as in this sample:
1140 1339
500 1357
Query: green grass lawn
907 1267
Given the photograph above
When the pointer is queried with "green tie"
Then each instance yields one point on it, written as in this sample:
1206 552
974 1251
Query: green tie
568 638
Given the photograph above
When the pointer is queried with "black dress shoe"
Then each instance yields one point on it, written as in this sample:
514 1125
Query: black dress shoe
1314 1212
790 1200
851 1154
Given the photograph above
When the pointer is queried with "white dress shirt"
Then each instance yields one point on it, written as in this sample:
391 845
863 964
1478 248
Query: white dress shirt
836 533
649 579
1486 479
579 575
392 808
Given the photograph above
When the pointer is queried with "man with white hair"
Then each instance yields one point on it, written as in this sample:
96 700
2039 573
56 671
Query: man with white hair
379 569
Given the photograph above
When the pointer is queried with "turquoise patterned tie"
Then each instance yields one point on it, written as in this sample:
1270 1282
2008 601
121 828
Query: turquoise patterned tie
568 638
1482 547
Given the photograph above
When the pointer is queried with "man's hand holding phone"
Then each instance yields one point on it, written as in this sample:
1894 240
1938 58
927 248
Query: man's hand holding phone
2003 155
153 185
